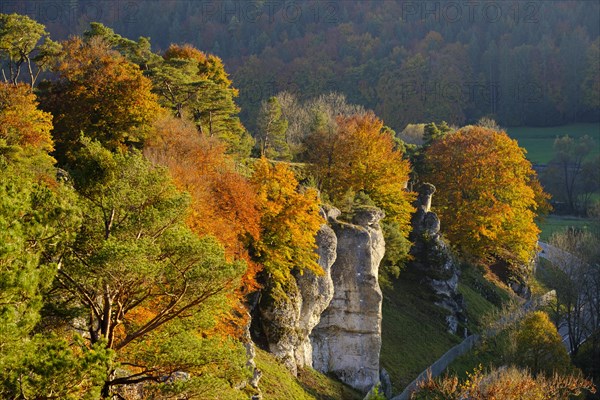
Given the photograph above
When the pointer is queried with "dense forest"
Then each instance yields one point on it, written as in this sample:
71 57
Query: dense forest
521 63
151 202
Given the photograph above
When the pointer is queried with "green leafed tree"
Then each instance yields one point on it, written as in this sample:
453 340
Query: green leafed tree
272 127
195 86
20 46
38 216
143 284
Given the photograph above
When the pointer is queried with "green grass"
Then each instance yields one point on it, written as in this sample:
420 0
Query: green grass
481 295
277 383
539 141
413 332
558 223
477 307
323 387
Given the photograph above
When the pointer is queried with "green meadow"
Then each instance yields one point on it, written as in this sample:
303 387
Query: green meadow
539 141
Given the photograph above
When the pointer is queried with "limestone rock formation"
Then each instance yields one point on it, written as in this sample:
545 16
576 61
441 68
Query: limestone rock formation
433 262
288 323
316 292
347 340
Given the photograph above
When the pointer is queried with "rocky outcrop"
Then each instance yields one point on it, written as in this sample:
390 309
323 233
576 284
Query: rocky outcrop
288 322
433 262
316 293
347 340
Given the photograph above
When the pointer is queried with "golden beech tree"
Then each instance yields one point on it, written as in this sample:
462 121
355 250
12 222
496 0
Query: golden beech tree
100 94
289 223
488 194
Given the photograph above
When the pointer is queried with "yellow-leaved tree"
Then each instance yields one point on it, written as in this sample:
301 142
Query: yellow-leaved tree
289 223
488 195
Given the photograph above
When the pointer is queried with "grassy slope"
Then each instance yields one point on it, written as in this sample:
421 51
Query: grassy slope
414 332
489 354
539 141
277 383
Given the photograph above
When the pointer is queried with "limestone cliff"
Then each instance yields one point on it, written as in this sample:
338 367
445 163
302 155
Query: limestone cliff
288 323
347 340
316 292
433 262
333 322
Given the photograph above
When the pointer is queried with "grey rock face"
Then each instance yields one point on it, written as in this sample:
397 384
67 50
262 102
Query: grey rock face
433 262
288 323
347 340
279 321
316 292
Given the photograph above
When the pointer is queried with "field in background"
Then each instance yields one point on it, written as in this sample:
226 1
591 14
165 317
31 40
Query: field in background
558 223
539 141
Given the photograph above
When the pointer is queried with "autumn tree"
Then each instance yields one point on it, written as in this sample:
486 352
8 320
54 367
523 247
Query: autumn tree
144 285
539 346
488 195
223 202
24 128
271 134
289 223
20 45
100 94
357 155
304 117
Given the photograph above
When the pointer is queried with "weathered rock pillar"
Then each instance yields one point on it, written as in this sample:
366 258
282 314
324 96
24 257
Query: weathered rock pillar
432 260
347 340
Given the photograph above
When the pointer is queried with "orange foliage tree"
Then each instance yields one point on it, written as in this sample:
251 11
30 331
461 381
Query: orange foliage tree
100 93
289 223
488 194
223 203
503 384
23 127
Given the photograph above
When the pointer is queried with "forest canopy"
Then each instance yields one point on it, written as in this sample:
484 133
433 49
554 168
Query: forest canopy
141 221
523 63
